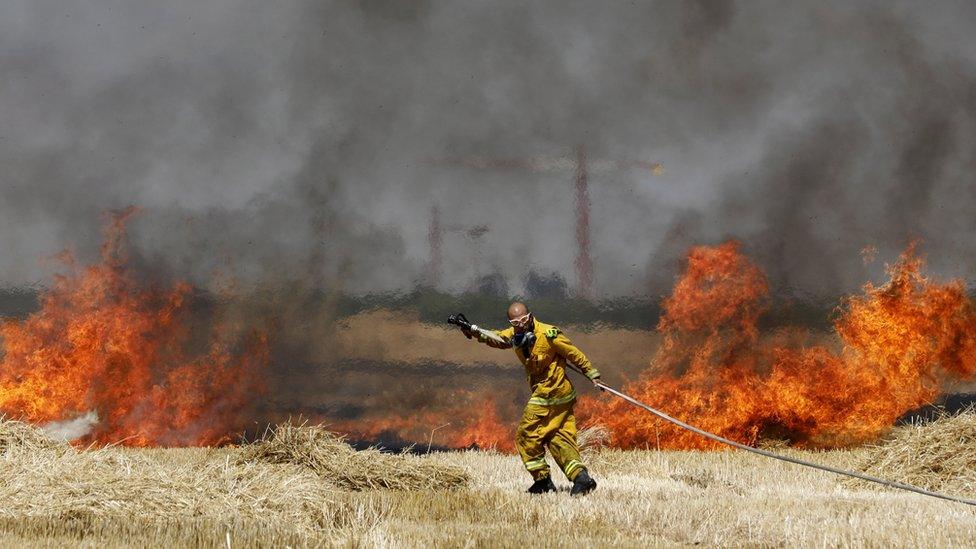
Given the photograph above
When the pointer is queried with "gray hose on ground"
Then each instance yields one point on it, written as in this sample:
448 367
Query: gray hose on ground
734 444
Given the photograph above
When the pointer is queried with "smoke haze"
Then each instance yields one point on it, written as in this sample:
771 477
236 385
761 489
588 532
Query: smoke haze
289 140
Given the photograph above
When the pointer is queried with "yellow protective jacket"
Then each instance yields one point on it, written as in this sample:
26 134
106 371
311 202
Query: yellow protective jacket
545 364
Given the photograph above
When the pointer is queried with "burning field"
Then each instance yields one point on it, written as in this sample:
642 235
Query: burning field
113 356
122 361
128 367
895 348
898 347
233 231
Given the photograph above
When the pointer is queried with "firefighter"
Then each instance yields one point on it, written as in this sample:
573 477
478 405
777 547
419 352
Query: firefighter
547 421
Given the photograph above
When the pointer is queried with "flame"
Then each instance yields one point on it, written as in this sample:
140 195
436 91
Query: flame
473 421
486 430
103 342
898 346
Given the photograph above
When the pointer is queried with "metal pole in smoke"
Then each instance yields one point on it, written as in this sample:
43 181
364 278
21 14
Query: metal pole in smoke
584 263
434 240
581 167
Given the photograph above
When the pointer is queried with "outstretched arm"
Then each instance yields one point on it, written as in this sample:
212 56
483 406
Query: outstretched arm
505 335
572 353
499 340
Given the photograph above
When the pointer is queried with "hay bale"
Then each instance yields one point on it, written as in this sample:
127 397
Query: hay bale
939 456
315 448
17 435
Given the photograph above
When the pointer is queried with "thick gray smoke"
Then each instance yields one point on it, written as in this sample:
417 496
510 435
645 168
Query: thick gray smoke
271 140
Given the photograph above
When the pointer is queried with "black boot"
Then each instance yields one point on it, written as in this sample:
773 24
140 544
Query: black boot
582 484
542 486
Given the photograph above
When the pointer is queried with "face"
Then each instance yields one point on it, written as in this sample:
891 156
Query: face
521 323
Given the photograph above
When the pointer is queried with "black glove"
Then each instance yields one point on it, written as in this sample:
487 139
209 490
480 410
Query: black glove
461 321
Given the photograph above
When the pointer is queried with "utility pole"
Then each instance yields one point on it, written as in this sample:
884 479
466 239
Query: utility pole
434 239
584 263
581 167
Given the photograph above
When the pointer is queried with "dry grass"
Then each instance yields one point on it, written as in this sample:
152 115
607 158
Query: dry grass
592 438
679 498
45 484
19 435
940 456
204 497
268 491
316 449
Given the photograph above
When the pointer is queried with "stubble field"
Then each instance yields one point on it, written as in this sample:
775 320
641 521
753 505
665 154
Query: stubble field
210 498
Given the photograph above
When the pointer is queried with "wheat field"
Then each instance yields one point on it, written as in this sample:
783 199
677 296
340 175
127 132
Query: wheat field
211 498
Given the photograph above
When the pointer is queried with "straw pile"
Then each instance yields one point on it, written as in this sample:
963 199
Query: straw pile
314 448
292 486
940 456
592 438
40 477
16 434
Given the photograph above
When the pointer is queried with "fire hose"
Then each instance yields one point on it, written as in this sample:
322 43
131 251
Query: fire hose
462 322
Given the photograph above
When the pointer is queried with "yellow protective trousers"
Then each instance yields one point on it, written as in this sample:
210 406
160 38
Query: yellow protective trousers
552 427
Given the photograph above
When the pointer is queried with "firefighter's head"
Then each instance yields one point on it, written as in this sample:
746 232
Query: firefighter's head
519 317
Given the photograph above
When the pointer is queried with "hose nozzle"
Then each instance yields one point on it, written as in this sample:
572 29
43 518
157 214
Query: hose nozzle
460 321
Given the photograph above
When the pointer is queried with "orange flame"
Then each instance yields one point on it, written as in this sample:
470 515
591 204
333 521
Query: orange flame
485 430
899 344
474 422
103 342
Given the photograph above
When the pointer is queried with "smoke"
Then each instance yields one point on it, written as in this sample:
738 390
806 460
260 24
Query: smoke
280 142
71 429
